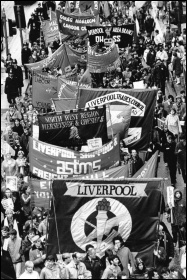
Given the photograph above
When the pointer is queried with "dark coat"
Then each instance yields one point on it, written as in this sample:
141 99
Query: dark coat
177 67
181 157
149 25
169 149
19 75
11 87
167 243
159 74
136 164
25 55
25 248
151 58
95 267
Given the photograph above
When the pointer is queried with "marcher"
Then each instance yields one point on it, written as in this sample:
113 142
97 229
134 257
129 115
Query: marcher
29 272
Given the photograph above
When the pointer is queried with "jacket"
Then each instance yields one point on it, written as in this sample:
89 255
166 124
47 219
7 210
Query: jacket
125 257
19 75
181 156
35 256
25 54
167 243
177 66
95 267
25 248
11 87
136 164
169 149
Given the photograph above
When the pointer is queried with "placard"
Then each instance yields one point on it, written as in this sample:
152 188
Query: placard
94 144
12 183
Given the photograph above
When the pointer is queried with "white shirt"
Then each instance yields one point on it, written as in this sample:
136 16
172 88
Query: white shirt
159 39
27 275
162 55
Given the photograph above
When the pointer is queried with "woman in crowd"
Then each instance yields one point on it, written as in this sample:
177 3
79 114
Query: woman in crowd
173 124
9 166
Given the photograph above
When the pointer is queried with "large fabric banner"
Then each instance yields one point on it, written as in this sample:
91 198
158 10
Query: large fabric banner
74 24
143 104
105 61
49 161
149 169
63 104
50 28
93 6
43 89
75 56
40 193
94 212
122 35
73 128
57 59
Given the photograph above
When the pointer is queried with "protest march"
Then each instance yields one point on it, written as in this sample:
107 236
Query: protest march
93 142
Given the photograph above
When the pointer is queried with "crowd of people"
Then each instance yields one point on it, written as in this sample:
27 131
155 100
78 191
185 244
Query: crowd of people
154 59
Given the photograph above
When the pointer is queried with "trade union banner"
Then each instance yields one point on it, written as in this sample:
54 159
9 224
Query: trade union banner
43 89
41 193
50 28
70 24
94 212
103 62
92 6
64 104
73 127
57 59
76 57
104 35
143 104
53 162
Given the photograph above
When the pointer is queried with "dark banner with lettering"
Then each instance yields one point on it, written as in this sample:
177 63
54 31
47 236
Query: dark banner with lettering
94 212
70 24
143 105
53 162
122 35
72 128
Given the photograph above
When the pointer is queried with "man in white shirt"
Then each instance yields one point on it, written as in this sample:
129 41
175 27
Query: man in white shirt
29 272
162 55
76 268
159 39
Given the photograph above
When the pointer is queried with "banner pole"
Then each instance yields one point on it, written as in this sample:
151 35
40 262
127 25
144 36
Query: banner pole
77 99
49 207
56 223
111 122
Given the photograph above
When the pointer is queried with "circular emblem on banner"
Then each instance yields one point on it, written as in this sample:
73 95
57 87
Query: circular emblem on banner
98 221
83 56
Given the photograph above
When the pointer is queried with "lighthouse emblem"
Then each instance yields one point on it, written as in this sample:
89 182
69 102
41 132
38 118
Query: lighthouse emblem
98 221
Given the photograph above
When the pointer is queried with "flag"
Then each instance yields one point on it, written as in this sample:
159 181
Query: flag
118 120
148 170
94 212
63 104
50 28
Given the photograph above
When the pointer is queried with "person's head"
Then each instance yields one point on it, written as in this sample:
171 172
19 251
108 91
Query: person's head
20 154
17 122
173 111
126 156
182 139
76 258
140 264
29 265
113 260
111 276
8 155
134 153
50 261
169 139
8 193
9 213
179 98
92 253
87 274
9 56
122 275
14 63
160 230
26 131
31 234
37 242
13 234
160 47
5 231
30 107
66 257
155 274
25 117
165 273
117 241
170 98
177 195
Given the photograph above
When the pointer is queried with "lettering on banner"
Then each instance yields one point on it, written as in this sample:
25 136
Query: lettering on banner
100 190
